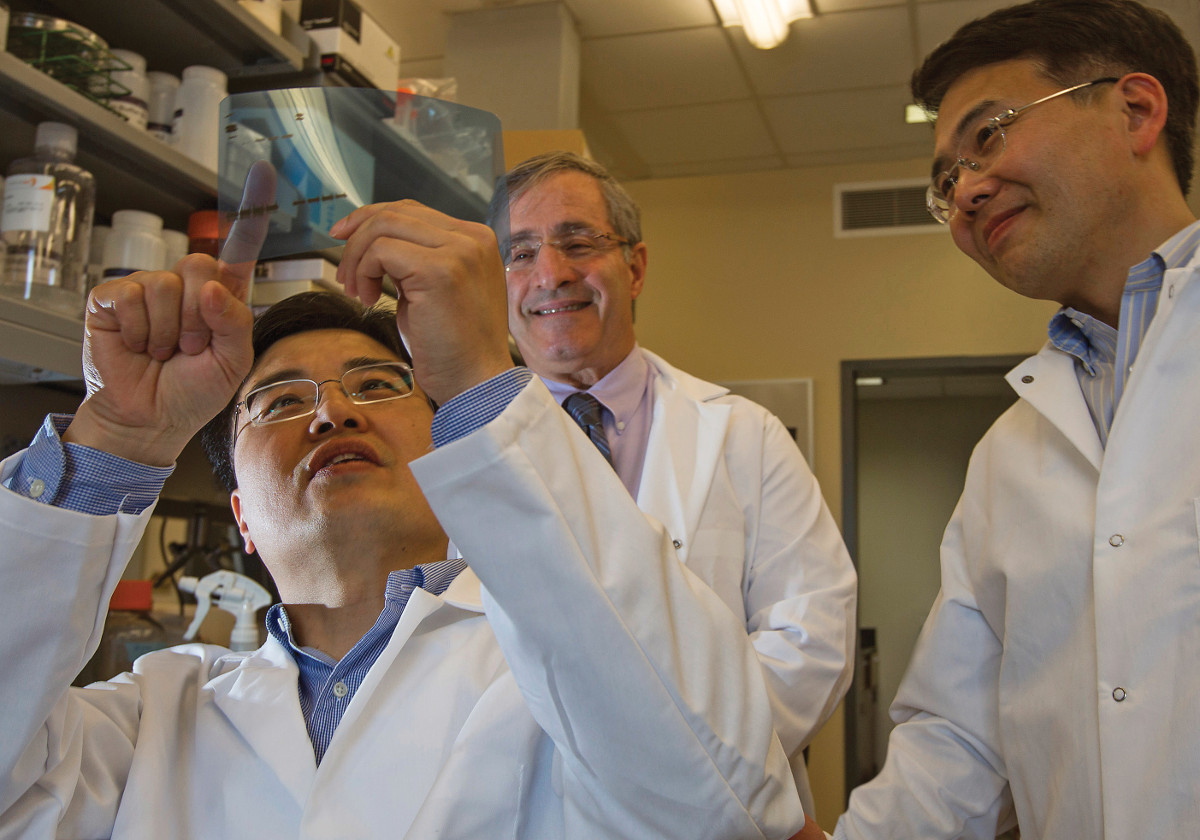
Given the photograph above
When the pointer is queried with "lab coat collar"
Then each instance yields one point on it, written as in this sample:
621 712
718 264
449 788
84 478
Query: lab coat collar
1047 381
254 694
253 697
686 443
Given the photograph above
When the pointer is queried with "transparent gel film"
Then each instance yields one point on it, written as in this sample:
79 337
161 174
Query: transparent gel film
336 149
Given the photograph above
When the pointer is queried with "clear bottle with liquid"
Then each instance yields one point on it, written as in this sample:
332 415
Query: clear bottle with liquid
46 224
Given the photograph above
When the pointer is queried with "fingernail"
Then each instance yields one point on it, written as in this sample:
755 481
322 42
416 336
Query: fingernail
336 230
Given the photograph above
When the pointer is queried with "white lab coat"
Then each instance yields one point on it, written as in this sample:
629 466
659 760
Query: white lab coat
728 482
593 689
1059 671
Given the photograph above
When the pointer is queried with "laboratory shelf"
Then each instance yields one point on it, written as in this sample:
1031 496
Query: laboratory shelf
132 169
37 345
173 34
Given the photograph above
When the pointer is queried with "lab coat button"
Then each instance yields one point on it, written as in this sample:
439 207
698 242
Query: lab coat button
339 689
620 426
1119 694
36 488
677 543
1116 541
1026 379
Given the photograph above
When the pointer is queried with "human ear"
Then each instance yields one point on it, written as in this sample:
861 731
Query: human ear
637 265
235 502
1145 108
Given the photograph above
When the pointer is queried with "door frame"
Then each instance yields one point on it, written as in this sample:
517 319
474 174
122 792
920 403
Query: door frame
851 371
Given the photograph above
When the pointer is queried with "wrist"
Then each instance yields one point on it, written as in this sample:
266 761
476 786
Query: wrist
142 445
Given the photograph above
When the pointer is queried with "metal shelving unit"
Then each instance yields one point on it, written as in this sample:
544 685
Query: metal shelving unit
132 169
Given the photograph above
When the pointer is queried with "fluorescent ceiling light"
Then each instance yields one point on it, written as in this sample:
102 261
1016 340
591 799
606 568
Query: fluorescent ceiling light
765 21
916 114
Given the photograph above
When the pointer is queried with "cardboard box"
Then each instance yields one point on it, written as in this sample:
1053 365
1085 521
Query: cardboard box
299 268
278 279
349 41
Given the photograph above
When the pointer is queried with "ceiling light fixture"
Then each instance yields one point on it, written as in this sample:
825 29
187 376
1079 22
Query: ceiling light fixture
765 21
915 114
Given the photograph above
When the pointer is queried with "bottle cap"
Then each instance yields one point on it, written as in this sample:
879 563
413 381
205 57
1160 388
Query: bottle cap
137 63
133 595
210 75
138 220
159 79
204 224
55 136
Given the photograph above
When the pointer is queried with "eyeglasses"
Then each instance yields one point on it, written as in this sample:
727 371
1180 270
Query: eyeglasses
577 246
296 398
984 142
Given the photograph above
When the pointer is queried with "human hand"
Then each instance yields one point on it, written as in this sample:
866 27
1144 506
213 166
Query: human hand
451 306
811 831
164 351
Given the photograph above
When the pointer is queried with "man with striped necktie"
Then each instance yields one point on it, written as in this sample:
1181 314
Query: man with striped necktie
719 472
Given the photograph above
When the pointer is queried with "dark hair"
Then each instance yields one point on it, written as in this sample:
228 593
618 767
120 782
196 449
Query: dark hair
300 313
1075 41
623 212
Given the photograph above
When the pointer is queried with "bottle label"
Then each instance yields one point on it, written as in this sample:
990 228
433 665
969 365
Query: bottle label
28 202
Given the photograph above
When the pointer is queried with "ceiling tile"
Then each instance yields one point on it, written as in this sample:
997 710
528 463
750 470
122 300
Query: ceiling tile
662 70
841 157
827 53
869 118
728 130
599 18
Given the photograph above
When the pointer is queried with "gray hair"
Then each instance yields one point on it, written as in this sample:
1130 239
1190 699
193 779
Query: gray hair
623 212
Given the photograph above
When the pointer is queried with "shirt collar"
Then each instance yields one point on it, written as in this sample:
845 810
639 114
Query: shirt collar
1090 340
432 577
620 391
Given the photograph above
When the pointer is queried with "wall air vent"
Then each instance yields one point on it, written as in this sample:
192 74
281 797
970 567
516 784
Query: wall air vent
882 208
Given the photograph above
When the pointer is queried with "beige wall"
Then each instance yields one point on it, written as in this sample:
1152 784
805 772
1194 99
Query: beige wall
747 281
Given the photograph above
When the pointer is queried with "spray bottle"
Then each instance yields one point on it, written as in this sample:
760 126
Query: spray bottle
234 593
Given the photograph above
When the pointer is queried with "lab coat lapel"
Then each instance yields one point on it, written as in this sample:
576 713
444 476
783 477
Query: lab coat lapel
684 447
261 700
1047 381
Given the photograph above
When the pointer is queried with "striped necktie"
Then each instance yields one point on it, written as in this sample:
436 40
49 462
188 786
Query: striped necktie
586 411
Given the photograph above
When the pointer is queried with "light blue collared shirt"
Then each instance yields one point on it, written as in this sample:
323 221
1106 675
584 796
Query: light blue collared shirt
1104 357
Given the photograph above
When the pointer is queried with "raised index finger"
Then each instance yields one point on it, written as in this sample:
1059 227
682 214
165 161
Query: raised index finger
249 230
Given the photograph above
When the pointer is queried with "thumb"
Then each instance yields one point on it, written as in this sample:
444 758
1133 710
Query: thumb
231 323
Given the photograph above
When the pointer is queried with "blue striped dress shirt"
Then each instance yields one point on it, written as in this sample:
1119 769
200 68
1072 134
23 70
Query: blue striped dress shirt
1104 357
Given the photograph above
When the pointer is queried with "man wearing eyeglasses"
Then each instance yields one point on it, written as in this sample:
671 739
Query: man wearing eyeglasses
544 692
1054 687
721 473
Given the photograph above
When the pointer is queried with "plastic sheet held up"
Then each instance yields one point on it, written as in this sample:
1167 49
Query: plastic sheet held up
336 149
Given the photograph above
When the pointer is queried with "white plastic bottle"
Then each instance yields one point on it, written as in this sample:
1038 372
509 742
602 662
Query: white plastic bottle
134 105
47 223
161 105
135 244
196 128
175 244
